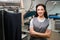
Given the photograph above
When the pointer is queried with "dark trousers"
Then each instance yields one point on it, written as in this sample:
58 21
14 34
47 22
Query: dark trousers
1 30
12 26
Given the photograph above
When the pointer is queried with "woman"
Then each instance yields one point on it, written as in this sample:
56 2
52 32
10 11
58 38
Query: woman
39 25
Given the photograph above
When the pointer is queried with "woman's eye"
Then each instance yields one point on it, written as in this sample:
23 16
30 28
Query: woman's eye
42 9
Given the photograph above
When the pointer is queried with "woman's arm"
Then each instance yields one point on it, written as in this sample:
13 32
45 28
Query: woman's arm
37 34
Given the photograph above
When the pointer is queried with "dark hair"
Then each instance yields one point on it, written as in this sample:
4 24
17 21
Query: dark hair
45 14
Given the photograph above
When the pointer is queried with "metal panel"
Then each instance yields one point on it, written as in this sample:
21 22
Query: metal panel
57 24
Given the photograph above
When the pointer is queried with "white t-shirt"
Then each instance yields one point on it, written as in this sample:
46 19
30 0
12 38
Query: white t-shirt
31 23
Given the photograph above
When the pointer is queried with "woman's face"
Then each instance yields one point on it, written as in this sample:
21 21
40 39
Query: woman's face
40 11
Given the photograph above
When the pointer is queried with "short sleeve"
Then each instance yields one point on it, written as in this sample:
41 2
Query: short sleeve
31 23
49 27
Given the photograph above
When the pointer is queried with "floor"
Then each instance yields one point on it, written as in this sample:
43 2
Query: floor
55 36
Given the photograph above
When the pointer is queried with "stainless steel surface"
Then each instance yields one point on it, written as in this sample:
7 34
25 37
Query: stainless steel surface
57 24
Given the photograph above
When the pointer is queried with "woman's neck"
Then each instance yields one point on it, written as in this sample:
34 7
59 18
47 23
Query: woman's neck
41 17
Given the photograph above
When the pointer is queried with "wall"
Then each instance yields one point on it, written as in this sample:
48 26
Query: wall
35 2
55 9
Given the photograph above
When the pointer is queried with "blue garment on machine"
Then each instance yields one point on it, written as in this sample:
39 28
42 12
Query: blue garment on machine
55 17
29 14
12 26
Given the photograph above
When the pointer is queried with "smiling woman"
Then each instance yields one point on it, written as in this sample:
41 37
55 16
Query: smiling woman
39 25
